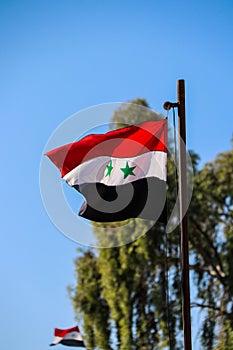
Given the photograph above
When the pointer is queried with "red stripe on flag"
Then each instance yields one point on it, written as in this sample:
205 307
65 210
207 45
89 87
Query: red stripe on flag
126 142
62 332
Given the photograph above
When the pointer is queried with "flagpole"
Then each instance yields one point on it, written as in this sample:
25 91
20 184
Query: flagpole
180 104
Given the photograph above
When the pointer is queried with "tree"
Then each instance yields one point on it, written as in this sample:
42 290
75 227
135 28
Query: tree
90 301
211 237
123 291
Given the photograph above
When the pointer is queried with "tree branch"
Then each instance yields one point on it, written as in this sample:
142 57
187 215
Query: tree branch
212 307
199 268
209 260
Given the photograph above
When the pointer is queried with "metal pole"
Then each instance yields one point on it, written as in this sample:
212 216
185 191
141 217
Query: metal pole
180 104
184 223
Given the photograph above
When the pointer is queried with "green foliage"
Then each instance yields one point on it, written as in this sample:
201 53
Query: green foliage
87 297
225 338
134 112
211 237
122 292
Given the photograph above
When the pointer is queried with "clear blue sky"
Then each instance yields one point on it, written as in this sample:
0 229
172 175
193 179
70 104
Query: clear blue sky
58 57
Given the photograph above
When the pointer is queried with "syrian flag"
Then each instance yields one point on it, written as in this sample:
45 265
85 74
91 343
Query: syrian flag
69 337
121 174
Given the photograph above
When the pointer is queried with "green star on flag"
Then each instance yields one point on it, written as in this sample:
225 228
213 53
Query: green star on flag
128 170
109 169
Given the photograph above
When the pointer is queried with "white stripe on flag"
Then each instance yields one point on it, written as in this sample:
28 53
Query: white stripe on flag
57 340
73 335
150 164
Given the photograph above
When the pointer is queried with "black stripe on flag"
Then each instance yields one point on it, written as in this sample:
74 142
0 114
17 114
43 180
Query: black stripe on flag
72 342
144 198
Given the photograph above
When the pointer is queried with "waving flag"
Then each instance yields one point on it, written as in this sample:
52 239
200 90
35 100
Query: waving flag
121 174
69 337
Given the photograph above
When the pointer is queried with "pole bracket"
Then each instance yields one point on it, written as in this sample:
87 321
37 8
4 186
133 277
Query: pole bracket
168 105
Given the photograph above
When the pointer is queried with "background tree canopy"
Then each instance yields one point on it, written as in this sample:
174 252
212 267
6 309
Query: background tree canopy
129 297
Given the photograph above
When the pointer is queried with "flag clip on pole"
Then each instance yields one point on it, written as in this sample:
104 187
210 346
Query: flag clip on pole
180 105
